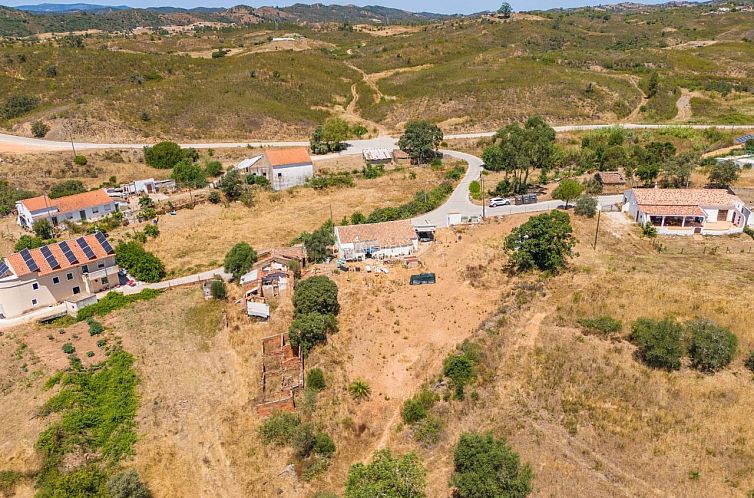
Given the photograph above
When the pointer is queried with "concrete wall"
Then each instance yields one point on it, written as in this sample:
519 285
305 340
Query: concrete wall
284 177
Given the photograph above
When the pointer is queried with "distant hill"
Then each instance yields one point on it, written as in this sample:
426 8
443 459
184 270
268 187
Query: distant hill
60 8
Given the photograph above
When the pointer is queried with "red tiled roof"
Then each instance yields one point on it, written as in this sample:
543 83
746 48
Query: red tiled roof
672 210
389 233
69 203
612 178
17 263
684 197
284 157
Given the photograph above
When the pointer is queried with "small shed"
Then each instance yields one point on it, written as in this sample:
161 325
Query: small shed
401 157
261 311
377 156
611 181
78 302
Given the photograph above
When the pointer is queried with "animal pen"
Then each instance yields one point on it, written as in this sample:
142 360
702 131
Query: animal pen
282 375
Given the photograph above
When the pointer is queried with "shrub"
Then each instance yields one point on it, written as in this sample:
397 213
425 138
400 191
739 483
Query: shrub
18 105
29 242
604 325
373 171
68 187
43 229
486 466
214 197
126 484
230 184
68 348
459 368
475 189
543 242
309 329
140 263
400 476
648 230
586 205
213 168
315 379
80 160
316 294
660 342
95 328
39 129
189 174
428 430
280 428
113 301
455 173
240 259
258 180
164 155
323 445
749 362
89 354
417 408
152 230
359 389
217 289
711 347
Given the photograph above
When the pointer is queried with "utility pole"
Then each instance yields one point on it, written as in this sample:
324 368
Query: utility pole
484 207
597 231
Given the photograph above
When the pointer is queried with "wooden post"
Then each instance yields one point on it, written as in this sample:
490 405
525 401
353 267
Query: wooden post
597 230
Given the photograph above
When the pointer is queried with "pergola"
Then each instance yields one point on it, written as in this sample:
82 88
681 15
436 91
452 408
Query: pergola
675 216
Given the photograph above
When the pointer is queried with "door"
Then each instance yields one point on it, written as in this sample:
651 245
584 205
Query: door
722 215
82 214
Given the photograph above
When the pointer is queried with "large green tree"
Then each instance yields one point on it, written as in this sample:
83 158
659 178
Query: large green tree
543 242
711 346
231 185
164 155
189 174
317 294
309 329
723 174
140 263
388 476
330 136
68 187
485 466
568 190
240 259
420 140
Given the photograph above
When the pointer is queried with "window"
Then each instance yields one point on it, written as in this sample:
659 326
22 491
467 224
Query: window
85 268
77 290
108 207
35 286
100 265
55 280
105 281
95 210
69 276
33 302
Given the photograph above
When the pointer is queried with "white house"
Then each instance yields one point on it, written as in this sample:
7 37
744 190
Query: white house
78 207
63 271
284 168
376 240
687 211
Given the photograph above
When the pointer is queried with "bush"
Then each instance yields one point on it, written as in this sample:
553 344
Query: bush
711 347
240 259
68 348
455 173
586 205
648 230
113 301
486 466
373 171
660 342
140 263
459 368
189 174
39 129
749 362
543 242
603 325
428 430
309 329
164 155
68 187
213 168
417 408
258 180
18 105
217 289
126 484
29 242
95 328
214 197
80 160
315 379
359 389
280 428
43 229
387 475
475 189
316 294
9 195
230 184
323 445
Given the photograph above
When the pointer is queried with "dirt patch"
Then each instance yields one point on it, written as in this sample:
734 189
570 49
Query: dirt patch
47 345
375 30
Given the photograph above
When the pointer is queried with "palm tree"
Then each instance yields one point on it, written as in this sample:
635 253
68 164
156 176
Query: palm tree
359 389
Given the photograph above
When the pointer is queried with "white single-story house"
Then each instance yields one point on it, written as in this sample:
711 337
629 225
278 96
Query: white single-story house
687 211
78 207
376 240
55 273
284 168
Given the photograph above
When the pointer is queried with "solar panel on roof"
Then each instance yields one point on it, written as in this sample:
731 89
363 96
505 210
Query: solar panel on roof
68 253
49 257
3 268
84 245
745 138
29 260
104 243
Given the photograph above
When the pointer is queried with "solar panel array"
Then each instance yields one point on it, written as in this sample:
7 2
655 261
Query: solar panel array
68 253
29 260
84 245
744 139
49 257
3 268
104 243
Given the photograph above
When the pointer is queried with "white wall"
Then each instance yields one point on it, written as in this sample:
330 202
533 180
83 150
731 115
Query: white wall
290 176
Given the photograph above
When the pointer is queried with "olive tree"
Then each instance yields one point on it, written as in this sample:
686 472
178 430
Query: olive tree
240 259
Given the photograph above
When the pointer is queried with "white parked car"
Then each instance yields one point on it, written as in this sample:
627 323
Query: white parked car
499 201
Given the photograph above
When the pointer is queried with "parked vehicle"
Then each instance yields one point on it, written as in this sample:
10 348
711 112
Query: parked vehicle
423 278
499 201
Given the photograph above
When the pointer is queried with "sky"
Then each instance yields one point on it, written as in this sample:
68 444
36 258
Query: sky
438 6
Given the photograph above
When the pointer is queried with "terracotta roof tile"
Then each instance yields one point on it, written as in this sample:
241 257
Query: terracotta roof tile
69 203
685 197
612 178
672 210
284 157
38 203
390 233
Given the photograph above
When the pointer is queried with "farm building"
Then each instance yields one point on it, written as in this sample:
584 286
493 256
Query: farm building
401 157
376 240
377 156
284 168
611 181
148 186
244 167
687 211
57 272
272 276
78 207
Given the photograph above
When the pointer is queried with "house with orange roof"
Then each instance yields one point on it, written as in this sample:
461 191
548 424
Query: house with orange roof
89 206
687 211
69 271
284 168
